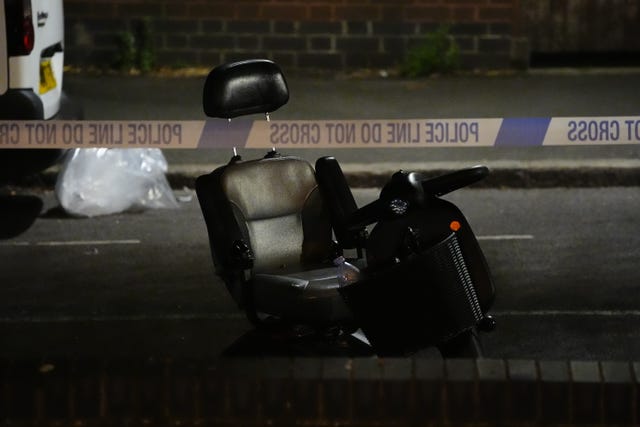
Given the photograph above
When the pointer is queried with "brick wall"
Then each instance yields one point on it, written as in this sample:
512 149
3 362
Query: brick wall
330 34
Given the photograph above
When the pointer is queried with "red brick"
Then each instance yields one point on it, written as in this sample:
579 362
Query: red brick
321 12
284 12
361 13
399 3
618 390
392 13
554 392
209 10
495 14
307 375
246 11
336 391
397 372
493 391
176 9
460 388
83 9
429 392
427 14
137 9
367 399
523 392
463 13
330 2
468 2
586 392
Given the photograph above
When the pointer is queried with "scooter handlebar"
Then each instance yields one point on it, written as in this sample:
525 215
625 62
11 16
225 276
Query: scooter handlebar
405 191
449 182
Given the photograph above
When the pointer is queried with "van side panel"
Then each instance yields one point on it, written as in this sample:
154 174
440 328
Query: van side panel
24 71
4 66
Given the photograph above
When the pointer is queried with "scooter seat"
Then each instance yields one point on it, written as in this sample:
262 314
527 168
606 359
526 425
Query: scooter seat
273 209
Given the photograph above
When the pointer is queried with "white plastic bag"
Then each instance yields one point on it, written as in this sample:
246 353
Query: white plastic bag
102 181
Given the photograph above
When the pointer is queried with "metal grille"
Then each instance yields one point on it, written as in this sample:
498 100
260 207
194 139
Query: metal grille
455 285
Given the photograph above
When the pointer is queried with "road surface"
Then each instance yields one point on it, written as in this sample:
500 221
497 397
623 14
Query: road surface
564 262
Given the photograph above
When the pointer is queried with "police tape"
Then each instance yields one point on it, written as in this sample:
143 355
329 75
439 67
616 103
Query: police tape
243 133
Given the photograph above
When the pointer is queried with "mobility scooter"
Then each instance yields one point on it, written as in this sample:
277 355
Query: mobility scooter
276 225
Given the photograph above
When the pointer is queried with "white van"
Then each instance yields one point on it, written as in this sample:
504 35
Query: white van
31 70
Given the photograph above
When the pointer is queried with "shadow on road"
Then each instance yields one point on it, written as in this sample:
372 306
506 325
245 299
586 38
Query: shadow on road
257 343
17 214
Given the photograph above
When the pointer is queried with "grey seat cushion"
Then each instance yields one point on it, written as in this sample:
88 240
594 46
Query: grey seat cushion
310 296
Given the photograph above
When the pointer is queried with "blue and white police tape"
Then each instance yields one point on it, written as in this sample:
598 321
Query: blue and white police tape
245 133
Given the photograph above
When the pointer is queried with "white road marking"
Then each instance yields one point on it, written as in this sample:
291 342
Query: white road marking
122 318
507 237
240 316
54 243
89 242
568 313
74 243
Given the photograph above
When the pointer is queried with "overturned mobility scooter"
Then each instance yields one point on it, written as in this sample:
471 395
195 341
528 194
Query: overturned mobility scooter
278 228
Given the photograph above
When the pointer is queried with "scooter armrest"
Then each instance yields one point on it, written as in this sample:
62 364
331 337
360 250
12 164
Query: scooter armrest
366 215
241 255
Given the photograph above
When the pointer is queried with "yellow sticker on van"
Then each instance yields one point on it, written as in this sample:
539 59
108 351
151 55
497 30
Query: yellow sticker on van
47 79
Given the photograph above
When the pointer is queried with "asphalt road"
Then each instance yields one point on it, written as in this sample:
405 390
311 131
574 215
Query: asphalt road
139 284
564 260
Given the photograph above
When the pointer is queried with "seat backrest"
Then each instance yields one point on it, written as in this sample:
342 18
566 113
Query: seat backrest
272 204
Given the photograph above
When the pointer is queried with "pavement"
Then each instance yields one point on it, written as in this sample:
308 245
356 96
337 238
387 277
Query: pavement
537 93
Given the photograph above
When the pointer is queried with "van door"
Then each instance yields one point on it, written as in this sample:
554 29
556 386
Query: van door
4 62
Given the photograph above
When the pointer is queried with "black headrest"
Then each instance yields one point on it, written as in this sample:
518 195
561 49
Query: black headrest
245 87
